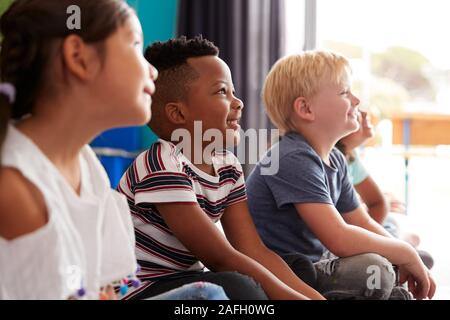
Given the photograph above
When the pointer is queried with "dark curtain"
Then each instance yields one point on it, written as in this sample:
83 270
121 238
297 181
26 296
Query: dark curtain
250 36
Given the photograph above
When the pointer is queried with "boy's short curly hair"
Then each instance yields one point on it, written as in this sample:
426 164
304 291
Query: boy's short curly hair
175 74
175 52
299 75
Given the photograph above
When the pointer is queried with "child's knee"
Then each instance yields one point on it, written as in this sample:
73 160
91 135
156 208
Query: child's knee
241 287
369 275
379 272
209 291
373 261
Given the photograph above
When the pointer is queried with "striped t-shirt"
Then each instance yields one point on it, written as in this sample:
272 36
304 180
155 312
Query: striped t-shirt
163 174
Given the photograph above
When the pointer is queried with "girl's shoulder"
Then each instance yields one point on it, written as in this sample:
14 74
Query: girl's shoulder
22 205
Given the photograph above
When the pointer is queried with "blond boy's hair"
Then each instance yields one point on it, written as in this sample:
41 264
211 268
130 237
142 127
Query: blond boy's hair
296 76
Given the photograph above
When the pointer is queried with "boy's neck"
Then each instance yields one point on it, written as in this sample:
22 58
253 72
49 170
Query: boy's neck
202 160
322 144
206 168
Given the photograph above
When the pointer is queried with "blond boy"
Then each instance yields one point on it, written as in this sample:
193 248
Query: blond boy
309 207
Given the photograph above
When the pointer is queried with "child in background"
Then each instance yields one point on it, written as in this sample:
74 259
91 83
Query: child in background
309 205
64 233
176 198
376 203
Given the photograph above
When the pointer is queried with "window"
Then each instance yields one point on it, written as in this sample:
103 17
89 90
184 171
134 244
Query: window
400 55
400 59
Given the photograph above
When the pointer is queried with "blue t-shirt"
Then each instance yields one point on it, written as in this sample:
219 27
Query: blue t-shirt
302 177
357 173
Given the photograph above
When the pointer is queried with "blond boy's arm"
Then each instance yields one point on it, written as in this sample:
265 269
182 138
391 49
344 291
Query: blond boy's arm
241 232
361 218
346 240
195 230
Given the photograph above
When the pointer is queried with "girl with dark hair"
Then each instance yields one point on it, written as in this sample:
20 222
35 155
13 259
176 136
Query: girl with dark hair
63 232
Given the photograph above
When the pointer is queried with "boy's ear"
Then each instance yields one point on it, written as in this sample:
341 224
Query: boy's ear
79 58
303 109
176 113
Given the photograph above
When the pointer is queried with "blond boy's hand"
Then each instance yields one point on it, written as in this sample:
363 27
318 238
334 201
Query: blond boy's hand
420 282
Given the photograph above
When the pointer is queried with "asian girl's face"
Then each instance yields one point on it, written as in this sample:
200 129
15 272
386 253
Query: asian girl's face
125 82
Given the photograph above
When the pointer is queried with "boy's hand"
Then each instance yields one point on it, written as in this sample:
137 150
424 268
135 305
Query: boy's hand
420 282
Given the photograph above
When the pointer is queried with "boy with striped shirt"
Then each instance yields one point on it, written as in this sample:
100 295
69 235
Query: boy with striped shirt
175 199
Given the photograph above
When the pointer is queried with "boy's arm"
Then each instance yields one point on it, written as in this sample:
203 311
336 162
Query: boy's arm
346 240
372 196
241 232
199 235
360 218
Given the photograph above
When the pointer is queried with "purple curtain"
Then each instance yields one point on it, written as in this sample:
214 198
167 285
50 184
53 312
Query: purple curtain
250 36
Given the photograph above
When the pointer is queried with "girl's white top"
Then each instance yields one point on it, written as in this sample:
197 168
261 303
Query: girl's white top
88 241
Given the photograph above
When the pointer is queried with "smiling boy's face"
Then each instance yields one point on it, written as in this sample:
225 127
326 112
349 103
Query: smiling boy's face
336 108
211 99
